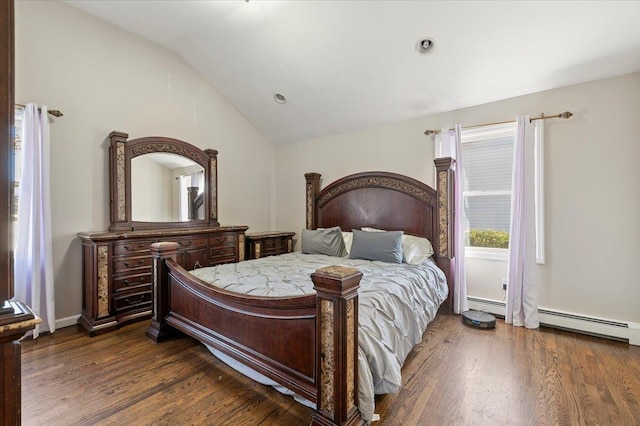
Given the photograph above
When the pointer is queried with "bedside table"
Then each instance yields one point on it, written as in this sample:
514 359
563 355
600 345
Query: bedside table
262 244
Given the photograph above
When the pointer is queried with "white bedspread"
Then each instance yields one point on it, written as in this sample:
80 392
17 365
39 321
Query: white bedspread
396 302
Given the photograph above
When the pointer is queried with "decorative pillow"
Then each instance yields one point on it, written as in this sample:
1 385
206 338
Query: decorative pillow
381 246
348 240
415 249
323 241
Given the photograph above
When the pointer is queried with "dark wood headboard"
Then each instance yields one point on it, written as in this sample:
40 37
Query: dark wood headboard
392 202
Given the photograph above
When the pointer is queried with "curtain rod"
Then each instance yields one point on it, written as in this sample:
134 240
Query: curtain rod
564 115
54 112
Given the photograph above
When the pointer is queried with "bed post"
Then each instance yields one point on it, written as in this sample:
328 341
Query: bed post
312 189
159 329
446 220
337 346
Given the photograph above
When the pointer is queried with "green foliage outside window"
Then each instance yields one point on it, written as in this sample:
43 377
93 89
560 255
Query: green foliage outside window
488 238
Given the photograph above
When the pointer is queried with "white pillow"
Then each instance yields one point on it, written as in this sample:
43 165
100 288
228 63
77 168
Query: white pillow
416 249
348 240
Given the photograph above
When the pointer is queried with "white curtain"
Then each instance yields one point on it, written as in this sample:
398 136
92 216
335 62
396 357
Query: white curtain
522 292
450 145
33 252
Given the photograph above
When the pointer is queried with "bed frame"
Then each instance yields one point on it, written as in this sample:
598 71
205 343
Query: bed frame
308 344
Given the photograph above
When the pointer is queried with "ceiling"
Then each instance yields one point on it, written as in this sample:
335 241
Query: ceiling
348 65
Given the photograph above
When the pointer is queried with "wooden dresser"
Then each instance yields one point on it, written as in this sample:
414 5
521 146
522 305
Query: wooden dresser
262 244
116 268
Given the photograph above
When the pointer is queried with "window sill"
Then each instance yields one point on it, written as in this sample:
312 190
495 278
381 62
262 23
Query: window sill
486 253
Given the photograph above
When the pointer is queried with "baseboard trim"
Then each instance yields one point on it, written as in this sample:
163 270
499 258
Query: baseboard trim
601 327
67 322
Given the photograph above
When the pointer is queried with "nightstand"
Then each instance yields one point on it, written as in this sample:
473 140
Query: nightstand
262 244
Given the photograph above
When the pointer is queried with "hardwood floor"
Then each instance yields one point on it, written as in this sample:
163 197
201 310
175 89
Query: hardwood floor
457 376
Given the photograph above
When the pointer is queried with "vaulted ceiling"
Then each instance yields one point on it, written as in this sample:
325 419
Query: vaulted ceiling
347 65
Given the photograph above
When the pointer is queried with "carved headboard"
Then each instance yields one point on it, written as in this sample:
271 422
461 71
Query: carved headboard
388 201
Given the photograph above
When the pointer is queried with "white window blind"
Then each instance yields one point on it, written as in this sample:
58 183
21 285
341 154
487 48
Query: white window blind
488 168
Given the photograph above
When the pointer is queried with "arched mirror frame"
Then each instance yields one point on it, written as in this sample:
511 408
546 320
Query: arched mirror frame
122 151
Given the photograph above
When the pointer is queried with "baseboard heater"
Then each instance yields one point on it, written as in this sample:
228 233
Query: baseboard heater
566 321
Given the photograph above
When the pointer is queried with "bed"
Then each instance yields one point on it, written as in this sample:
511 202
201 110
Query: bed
308 342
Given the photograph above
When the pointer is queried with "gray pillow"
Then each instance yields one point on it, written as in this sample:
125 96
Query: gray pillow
382 246
323 241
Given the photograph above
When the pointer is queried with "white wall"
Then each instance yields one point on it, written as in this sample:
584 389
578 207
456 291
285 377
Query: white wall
592 188
395 148
104 79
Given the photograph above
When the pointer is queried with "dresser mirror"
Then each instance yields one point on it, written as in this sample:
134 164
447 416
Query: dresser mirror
159 182
179 183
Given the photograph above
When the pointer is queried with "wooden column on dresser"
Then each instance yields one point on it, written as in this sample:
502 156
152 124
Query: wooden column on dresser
262 244
117 268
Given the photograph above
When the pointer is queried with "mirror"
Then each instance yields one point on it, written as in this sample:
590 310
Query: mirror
179 184
161 182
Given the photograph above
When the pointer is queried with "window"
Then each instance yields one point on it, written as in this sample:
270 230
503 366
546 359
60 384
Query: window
488 166
17 152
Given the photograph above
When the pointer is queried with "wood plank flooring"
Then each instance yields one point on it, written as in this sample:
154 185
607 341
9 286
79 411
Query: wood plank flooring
457 376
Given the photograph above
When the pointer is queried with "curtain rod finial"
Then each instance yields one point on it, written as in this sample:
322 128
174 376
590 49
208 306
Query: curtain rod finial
430 132
565 115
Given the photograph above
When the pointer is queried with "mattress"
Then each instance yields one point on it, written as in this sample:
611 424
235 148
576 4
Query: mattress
395 304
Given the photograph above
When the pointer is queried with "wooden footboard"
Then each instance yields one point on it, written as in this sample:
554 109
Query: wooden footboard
308 344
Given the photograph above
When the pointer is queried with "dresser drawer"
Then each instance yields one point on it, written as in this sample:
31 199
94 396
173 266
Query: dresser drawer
270 251
278 245
130 264
131 281
191 242
129 247
269 243
132 300
222 239
221 255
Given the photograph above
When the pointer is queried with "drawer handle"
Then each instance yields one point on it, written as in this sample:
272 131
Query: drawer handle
126 282
140 262
131 302
139 246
